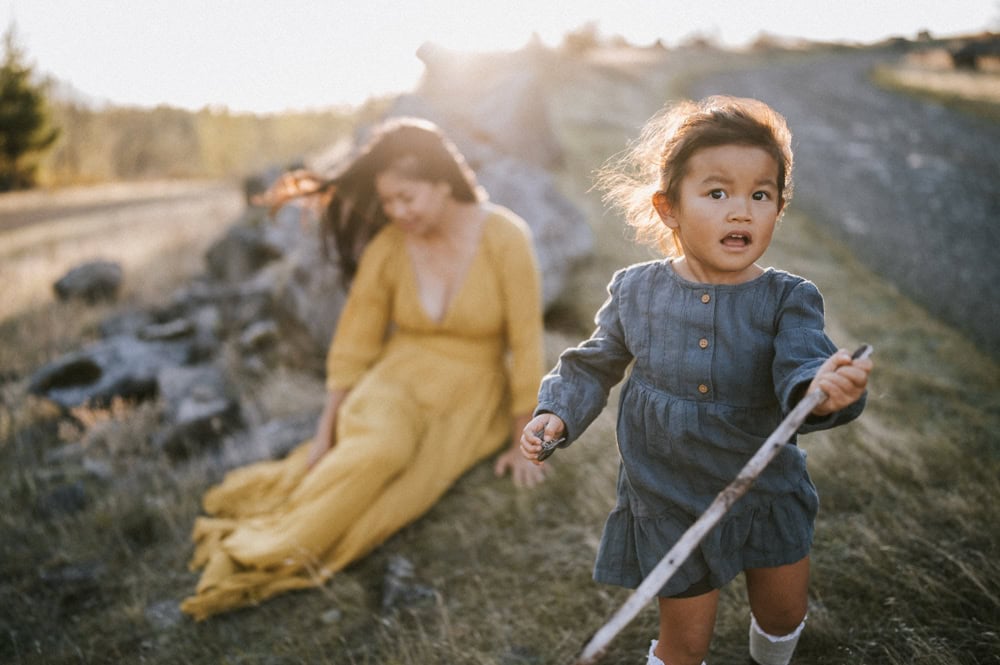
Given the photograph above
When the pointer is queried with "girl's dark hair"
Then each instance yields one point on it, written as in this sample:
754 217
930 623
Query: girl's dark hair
658 160
351 213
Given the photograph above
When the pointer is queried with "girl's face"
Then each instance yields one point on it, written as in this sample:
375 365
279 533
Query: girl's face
725 214
415 206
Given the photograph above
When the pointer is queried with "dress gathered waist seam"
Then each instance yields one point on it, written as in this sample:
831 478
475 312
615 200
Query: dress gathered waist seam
472 349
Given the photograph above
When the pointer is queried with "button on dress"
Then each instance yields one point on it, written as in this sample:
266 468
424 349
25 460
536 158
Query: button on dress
716 368
428 399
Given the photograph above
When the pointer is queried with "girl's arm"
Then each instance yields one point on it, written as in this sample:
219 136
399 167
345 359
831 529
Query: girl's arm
576 390
843 379
543 427
805 358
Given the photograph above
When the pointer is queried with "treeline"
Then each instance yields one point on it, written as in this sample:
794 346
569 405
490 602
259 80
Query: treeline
131 143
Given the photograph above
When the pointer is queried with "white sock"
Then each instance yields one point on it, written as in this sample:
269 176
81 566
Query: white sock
769 649
651 659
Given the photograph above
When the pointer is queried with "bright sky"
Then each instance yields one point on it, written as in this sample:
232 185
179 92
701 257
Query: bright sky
273 55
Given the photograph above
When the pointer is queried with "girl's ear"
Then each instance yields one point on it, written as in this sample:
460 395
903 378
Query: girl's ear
661 202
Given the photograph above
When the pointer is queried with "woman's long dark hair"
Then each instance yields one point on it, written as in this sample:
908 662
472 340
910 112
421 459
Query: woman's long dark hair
410 147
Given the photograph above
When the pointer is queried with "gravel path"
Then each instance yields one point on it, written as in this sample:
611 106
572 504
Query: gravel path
912 188
19 209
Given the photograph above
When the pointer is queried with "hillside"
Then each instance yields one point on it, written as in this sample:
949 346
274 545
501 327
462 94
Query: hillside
94 540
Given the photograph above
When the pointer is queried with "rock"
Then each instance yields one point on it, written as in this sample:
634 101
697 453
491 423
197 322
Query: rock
561 234
305 287
331 616
241 252
166 331
399 589
126 322
199 408
75 586
221 307
519 654
280 435
259 335
92 282
499 98
119 366
163 614
64 499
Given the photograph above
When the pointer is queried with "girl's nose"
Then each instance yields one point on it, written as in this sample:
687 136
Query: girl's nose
740 210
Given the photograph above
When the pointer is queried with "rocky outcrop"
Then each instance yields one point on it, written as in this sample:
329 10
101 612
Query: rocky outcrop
92 282
270 296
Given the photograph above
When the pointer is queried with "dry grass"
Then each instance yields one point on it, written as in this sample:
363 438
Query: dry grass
976 93
905 560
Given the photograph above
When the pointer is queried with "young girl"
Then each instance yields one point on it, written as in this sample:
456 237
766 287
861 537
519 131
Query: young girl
721 349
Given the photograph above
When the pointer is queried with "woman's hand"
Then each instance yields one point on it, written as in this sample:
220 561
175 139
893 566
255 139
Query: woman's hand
549 425
326 428
322 441
522 471
843 380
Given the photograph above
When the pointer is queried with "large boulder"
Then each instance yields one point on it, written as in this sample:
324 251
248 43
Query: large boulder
497 98
92 281
199 407
120 366
241 252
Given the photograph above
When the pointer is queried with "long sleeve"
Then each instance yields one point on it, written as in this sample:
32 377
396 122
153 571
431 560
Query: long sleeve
523 325
361 330
577 388
800 347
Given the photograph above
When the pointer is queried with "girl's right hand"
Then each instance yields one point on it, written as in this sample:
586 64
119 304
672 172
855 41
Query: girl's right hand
549 425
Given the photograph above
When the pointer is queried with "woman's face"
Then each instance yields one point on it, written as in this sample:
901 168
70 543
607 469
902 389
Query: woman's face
415 206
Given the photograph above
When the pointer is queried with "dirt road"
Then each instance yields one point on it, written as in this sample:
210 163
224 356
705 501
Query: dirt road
910 186
19 209
157 231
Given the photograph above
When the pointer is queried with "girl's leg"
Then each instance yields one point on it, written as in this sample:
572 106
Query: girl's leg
686 627
779 600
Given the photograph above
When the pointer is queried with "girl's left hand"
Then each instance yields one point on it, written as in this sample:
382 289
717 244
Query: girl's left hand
843 380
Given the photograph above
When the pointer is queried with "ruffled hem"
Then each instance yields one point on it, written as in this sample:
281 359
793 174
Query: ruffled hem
245 589
757 535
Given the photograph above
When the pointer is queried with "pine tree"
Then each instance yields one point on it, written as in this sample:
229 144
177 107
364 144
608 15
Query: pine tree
24 120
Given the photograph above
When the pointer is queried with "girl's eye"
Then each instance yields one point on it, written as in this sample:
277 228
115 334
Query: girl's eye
717 194
761 196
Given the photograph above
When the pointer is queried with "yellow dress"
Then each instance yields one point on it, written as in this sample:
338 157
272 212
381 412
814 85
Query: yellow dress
428 400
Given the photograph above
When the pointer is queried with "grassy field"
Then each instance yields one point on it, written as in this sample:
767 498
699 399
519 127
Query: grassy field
906 570
973 92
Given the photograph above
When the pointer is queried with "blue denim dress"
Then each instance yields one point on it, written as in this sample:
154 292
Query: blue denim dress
716 368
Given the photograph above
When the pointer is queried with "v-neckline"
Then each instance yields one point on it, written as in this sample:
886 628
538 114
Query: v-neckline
450 304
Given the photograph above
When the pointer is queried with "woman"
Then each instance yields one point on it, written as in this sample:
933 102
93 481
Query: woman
444 309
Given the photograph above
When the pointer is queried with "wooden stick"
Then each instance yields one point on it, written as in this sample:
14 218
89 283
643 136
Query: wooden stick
682 549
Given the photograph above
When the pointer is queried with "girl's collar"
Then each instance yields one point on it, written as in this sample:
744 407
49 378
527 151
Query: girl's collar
667 265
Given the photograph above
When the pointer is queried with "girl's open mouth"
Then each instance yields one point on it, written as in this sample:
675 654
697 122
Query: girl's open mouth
737 239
